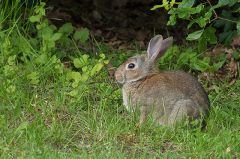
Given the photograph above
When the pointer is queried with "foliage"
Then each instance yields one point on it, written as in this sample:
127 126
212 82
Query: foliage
42 54
206 19
189 59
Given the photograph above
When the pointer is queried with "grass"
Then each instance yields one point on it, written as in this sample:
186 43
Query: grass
38 118
41 122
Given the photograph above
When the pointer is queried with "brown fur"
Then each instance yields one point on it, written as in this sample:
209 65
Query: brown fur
172 87
169 95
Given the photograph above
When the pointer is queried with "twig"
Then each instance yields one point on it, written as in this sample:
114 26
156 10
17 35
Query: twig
215 13
218 17
233 21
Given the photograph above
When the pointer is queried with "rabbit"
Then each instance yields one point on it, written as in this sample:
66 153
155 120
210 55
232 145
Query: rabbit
170 96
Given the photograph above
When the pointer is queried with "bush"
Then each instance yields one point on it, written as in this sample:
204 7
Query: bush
210 21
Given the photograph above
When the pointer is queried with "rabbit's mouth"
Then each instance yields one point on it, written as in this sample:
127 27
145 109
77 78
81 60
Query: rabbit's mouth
120 78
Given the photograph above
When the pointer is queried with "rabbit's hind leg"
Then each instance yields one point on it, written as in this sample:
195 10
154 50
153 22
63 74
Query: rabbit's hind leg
183 109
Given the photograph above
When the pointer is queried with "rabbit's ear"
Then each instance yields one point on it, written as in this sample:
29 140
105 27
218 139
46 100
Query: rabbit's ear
157 47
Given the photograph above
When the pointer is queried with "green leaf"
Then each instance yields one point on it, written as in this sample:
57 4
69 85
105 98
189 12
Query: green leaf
186 3
46 33
56 36
66 28
208 36
202 44
77 63
81 62
200 21
236 55
11 60
217 66
238 27
84 77
185 57
33 77
86 69
195 35
209 33
41 59
81 35
75 75
208 15
96 69
226 37
156 7
226 2
201 65
35 18
172 20
73 93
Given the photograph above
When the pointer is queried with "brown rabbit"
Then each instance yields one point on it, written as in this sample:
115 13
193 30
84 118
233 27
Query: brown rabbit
170 95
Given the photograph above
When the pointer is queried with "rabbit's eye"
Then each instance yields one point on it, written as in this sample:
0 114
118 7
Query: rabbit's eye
131 65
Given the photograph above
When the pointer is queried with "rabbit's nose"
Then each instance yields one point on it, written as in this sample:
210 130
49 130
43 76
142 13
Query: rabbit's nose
118 77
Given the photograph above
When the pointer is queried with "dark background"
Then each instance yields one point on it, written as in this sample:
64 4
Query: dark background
116 21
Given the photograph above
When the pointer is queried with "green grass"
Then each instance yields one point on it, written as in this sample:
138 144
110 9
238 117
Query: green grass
43 122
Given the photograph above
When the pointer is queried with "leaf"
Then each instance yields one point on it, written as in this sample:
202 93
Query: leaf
77 63
81 62
202 44
209 33
185 13
172 20
200 21
238 27
73 93
46 33
11 60
96 69
226 2
166 4
86 69
75 75
186 3
66 28
186 57
84 77
105 62
81 35
201 65
156 7
208 36
226 37
195 35
236 55
208 15
41 59
217 66
35 18
56 36
33 77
